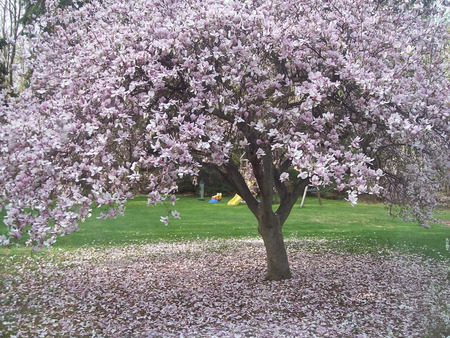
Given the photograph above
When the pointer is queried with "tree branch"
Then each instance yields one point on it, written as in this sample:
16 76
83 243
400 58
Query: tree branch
289 201
234 178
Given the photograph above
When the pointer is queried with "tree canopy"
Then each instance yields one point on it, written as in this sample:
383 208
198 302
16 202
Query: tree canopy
349 93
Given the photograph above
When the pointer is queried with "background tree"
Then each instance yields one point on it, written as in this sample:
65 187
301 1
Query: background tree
156 89
11 12
36 8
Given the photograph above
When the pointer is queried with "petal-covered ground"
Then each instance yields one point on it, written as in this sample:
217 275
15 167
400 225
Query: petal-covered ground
215 288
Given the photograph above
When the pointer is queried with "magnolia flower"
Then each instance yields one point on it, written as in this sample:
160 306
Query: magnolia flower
260 153
244 143
173 199
49 242
355 142
303 175
260 127
352 197
284 177
315 181
376 189
165 220
379 173
4 240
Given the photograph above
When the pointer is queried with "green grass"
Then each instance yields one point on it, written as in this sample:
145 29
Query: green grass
363 228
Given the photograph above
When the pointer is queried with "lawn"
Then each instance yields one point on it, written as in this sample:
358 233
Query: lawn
362 228
356 272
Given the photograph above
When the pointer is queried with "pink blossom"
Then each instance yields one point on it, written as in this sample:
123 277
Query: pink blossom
165 220
214 288
175 214
352 197
284 177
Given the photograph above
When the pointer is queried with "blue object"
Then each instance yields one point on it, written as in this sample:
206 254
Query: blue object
213 201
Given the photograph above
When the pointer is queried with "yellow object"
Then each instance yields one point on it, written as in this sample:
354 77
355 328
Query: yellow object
218 196
235 200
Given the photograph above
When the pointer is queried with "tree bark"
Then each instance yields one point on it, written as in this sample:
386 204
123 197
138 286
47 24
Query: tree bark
277 260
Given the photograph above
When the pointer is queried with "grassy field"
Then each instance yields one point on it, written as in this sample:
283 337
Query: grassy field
363 228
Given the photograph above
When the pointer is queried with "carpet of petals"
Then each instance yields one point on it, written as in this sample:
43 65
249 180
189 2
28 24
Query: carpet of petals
216 289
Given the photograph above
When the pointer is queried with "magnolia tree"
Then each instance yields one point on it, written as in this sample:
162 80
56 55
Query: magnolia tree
348 93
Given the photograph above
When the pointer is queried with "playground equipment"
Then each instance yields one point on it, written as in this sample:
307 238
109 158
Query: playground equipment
313 190
235 200
216 198
238 199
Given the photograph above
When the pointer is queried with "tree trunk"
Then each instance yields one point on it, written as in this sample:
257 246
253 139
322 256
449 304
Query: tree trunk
277 260
269 222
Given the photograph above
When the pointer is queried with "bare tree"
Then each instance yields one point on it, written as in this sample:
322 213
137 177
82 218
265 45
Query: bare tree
11 12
